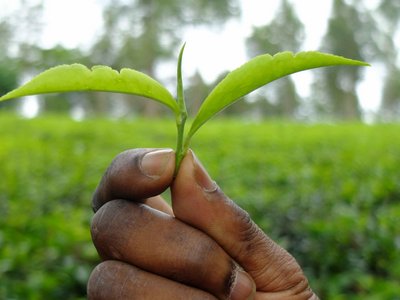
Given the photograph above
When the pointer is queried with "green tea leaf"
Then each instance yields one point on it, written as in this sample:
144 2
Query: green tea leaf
258 72
181 118
76 77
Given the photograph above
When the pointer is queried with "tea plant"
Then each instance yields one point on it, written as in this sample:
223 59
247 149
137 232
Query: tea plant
257 72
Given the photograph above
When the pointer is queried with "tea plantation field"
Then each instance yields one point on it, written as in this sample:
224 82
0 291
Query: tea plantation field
330 194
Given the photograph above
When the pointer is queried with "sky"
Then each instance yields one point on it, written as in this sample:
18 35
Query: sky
75 23
201 43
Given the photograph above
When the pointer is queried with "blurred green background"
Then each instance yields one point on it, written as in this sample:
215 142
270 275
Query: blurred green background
318 171
328 193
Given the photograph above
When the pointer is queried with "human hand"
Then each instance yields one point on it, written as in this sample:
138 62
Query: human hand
205 247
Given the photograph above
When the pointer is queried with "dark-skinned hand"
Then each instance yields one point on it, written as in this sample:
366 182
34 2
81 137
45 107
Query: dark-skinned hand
204 247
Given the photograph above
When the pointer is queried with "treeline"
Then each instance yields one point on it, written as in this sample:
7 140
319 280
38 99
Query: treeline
144 34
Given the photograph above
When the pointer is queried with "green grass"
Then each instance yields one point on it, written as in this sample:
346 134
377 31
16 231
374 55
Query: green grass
328 193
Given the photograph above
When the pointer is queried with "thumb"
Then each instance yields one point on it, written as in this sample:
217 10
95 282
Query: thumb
136 175
198 201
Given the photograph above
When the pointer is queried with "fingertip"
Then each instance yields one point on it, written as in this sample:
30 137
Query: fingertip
135 175
155 163
243 287
194 193
203 179
192 171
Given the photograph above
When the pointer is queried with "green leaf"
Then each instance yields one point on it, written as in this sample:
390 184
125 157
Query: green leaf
181 119
76 77
258 72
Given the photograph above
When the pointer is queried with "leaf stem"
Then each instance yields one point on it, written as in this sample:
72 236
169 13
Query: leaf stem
182 116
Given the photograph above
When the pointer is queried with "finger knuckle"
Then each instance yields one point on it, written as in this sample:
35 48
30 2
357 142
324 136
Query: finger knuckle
105 281
249 235
107 229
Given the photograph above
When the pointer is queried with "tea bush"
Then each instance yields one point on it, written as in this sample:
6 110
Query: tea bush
328 193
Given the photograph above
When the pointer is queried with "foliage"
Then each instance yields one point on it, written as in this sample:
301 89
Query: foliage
342 99
252 75
258 72
142 32
284 32
372 41
146 32
8 76
390 108
328 193
76 77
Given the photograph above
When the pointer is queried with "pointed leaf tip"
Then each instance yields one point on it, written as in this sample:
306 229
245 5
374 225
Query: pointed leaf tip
77 77
258 72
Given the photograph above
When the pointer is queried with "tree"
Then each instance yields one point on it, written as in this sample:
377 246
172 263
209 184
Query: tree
390 106
14 40
389 11
196 92
143 33
357 31
42 59
352 32
8 72
285 32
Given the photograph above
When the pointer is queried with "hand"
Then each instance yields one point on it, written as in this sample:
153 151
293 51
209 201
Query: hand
204 247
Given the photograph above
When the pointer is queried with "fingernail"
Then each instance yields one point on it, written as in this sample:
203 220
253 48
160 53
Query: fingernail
153 164
201 176
243 287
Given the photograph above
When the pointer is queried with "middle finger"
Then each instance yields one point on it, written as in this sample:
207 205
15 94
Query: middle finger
161 244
